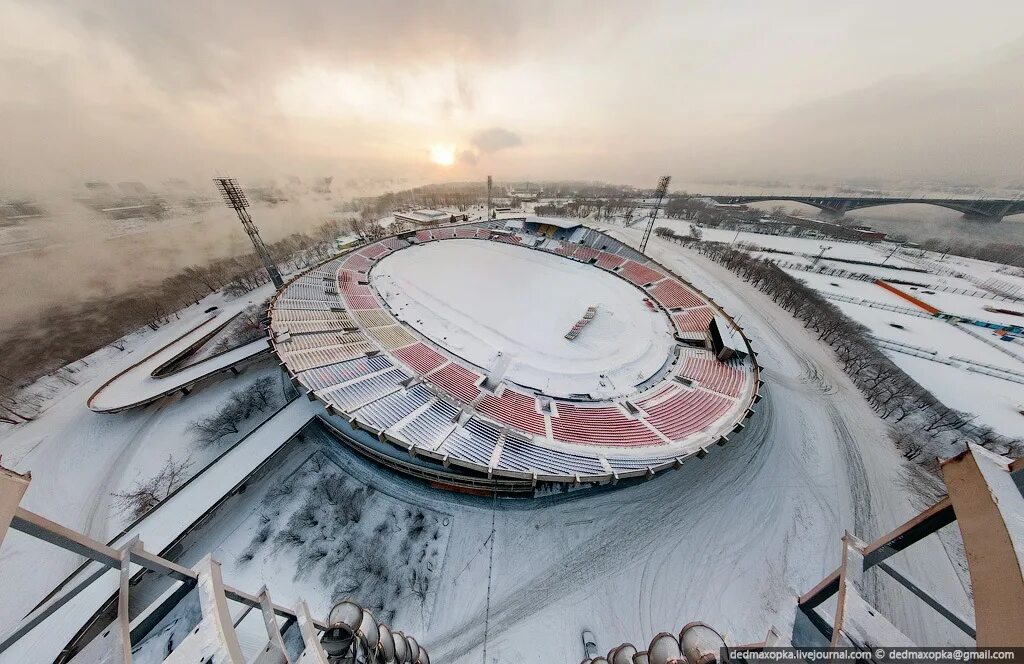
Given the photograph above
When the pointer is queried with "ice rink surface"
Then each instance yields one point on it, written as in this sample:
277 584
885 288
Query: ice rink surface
492 303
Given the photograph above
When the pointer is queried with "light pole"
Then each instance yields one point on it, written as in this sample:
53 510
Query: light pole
236 200
820 253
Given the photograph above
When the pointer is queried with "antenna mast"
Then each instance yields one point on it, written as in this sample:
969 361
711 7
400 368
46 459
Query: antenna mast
236 200
659 196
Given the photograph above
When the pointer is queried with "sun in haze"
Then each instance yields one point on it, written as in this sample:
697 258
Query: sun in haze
442 155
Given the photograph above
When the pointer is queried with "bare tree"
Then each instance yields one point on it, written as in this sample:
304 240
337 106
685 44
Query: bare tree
141 497
225 421
240 406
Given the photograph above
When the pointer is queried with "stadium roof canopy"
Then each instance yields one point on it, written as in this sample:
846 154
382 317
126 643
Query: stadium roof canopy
559 222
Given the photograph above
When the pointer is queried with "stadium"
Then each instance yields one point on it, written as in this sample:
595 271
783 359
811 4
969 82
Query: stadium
509 354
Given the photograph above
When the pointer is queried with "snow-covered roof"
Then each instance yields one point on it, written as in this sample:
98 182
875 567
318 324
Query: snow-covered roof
423 216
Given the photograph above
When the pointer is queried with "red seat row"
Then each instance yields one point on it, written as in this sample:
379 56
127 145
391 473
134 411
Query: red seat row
515 409
694 320
672 294
609 261
350 288
714 375
457 381
362 302
600 426
584 254
565 249
685 411
375 251
357 262
639 274
420 357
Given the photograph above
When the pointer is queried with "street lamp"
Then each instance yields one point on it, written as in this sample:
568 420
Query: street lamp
342 623
236 200
622 655
664 649
385 646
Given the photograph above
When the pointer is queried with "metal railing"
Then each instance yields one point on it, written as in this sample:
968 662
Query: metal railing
214 637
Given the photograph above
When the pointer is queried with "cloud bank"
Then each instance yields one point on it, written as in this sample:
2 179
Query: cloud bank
116 90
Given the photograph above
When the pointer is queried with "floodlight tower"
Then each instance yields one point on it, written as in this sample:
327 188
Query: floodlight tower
237 201
659 196
489 197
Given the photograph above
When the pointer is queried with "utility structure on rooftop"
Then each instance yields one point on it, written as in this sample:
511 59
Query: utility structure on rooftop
237 201
659 196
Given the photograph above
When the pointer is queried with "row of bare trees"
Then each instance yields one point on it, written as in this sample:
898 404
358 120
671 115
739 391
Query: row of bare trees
923 424
240 406
143 495
339 533
1007 253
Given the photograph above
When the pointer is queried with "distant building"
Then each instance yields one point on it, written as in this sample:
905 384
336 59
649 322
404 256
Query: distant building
426 217
868 233
343 242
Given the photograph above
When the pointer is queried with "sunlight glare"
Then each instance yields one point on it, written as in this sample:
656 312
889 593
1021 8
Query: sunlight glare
442 155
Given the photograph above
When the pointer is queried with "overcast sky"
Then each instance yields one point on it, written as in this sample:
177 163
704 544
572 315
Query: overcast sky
619 91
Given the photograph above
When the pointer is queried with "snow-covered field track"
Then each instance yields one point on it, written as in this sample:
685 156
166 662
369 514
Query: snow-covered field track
479 315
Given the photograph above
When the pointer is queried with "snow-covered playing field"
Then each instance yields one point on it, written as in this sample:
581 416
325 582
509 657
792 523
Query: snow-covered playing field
493 303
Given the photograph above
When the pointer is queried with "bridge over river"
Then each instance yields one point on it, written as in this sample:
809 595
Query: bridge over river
984 209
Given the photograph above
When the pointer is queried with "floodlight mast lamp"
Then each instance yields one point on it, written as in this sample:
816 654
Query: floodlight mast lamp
659 196
236 200
490 214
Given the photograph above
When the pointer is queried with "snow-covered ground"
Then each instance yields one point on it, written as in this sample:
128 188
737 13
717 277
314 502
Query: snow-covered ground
730 540
959 384
858 251
934 351
78 458
493 303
